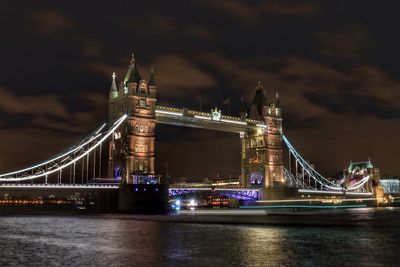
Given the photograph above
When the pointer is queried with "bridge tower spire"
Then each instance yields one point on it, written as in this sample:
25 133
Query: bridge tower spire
113 89
152 80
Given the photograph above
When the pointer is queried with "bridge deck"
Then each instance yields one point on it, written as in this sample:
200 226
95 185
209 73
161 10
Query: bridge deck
212 121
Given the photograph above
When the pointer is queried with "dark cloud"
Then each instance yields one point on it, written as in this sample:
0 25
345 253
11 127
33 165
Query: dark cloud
51 22
45 104
348 43
23 147
249 13
290 9
201 33
334 65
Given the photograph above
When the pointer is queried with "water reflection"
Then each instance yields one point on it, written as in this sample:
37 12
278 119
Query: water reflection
114 241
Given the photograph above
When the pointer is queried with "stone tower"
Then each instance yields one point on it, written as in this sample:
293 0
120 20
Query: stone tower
132 148
253 143
273 144
262 163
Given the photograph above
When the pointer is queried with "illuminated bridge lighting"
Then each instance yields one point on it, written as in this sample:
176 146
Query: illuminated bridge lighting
237 122
202 117
169 113
70 157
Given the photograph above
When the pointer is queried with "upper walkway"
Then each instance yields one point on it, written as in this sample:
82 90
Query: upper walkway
213 120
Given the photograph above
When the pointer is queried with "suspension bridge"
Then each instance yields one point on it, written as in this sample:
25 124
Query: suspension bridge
121 151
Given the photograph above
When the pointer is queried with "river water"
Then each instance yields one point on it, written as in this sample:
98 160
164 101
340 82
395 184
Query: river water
116 240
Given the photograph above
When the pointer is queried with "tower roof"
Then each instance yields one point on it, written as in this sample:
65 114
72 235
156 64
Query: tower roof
360 166
152 80
132 74
277 102
259 101
113 84
244 111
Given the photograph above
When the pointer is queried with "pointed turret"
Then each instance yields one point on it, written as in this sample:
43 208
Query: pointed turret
133 75
113 89
243 109
277 101
152 81
260 100
275 108
113 84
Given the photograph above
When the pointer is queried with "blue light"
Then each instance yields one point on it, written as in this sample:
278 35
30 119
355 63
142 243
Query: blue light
178 202
136 189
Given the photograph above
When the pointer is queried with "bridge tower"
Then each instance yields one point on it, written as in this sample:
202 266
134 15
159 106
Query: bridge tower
132 148
273 144
262 152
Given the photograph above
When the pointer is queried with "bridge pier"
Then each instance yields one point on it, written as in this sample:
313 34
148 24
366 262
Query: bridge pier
278 193
143 198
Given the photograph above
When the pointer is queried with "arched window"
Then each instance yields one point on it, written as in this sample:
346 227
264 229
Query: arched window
140 166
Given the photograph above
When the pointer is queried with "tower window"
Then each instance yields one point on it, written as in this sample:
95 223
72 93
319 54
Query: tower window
136 165
140 166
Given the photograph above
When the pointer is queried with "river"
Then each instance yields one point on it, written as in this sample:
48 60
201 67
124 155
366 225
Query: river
126 240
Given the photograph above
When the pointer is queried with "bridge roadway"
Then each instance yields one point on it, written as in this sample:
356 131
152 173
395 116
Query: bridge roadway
243 193
213 120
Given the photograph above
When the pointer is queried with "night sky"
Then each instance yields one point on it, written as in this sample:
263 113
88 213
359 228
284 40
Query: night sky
334 63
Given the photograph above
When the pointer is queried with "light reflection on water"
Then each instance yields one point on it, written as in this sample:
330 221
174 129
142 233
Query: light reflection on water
110 240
